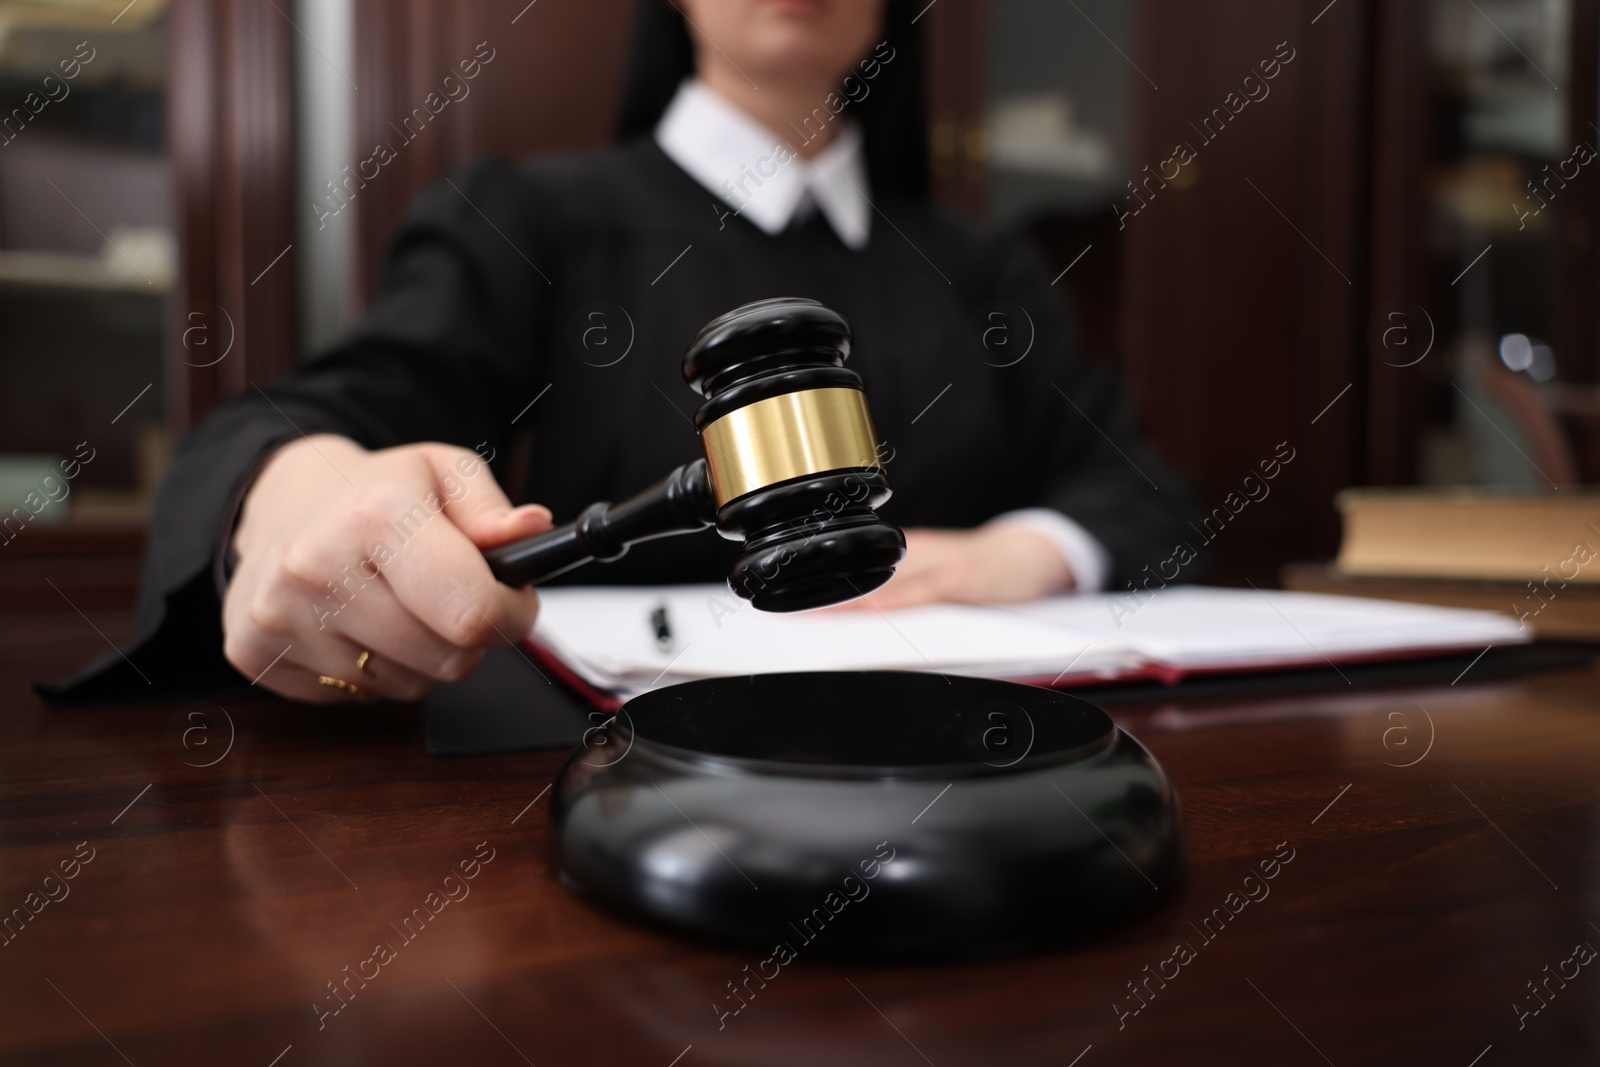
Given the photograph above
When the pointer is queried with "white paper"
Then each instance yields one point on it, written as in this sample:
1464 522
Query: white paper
605 634
1195 626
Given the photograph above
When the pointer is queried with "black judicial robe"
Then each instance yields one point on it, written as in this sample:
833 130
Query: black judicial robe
575 284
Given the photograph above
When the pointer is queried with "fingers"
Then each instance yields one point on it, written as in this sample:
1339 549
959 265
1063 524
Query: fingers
297 683
264 659
917 579
382 673
293 668
446 584
388 561
376 620
289 661
335 656
990 565
913 591
900 591
478 507
403 534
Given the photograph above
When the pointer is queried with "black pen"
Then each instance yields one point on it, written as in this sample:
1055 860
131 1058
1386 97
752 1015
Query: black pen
658 621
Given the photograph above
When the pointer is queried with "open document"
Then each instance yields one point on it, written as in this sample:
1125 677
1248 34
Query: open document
621 641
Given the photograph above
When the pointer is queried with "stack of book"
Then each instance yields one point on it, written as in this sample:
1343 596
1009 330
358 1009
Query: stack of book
1532 556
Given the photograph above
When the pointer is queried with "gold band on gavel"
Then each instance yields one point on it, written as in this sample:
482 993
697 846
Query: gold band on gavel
789 436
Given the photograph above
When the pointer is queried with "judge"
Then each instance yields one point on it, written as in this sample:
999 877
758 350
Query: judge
323 535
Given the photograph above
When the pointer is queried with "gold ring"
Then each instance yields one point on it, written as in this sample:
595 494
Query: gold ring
361 663
341 685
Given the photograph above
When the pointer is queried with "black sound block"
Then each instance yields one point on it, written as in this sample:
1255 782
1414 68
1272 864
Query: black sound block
871 812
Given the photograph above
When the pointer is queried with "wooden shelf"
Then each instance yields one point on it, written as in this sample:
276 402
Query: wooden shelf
63 272
81 563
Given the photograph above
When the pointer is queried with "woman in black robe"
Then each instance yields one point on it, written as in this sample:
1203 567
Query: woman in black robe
535 315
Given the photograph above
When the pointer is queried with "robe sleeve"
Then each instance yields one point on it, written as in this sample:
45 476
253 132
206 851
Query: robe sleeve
446 352
1085 458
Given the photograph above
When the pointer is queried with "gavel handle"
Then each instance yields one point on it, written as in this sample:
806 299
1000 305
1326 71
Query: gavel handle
682 502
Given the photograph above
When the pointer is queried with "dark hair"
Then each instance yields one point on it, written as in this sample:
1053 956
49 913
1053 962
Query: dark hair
892 116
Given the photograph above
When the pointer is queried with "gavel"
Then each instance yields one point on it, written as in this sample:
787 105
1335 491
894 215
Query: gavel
791 468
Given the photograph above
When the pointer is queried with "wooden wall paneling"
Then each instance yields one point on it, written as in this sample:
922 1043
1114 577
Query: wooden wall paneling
1402 128
554 83
261 189
1334 156
956 42
192 117
1245 279
398 45
230 140
1577 326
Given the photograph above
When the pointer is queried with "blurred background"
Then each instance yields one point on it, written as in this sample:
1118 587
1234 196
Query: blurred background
1383 254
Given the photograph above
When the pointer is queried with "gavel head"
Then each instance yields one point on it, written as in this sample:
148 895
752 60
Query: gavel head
791 454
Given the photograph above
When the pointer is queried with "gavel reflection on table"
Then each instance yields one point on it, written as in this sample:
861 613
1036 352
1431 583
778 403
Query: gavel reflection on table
791 469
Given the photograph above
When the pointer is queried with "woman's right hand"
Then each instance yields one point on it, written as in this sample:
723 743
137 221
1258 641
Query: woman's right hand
343 551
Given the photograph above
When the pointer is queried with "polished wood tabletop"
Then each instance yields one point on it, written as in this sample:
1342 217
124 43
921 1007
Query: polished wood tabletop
194 879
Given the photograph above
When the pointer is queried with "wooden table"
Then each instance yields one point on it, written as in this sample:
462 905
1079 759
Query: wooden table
243 857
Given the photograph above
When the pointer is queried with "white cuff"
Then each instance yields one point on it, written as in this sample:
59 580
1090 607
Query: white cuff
1086 557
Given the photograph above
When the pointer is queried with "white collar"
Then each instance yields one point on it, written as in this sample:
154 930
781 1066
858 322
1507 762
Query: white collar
758 173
